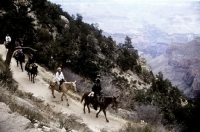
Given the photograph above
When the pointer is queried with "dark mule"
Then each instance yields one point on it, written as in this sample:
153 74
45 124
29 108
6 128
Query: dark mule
32 71
20 58
103 105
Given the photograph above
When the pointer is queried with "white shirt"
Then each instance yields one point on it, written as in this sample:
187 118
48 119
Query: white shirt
8 38
59 76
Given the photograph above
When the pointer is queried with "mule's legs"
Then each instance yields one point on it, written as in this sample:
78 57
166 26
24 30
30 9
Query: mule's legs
98 112
65 98
62 97
29 76
86 104
33 78
104 111
88 108
21 66
84 107
53 93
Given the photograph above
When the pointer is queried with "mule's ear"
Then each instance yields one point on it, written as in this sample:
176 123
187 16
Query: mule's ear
75 81
117 97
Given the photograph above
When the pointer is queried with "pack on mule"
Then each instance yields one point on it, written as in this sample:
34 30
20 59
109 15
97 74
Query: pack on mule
19 57
32 71
65 86
102 105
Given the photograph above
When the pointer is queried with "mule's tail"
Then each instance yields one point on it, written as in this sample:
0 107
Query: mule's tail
83 97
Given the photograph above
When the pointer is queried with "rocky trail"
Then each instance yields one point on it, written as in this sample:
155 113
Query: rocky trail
40 89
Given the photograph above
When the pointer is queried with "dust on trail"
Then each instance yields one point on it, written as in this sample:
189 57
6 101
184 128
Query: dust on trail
40 89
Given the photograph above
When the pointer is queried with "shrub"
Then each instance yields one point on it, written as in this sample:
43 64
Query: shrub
135 128
149 113
64 123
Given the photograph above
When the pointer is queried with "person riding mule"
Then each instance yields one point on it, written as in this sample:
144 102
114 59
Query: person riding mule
59 78
102 105
65 87
31 68
96 94
31 59
8 40
19 57
30 63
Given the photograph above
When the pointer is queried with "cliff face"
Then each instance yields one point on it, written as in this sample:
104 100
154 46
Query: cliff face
181 65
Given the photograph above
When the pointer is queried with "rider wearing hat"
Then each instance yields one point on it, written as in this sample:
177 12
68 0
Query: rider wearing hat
59 77
97 91
31 59
97 88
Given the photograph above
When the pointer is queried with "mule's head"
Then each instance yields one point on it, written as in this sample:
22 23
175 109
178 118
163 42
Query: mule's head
115 102
74 86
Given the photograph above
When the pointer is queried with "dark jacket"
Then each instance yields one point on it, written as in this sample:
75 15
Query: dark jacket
31 60
96 89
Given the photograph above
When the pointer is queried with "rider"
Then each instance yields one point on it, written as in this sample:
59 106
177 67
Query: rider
18 51
31 59
30 63
97 91
59 77
18 48
8 40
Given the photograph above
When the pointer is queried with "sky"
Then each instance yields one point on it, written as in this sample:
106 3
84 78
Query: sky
134 16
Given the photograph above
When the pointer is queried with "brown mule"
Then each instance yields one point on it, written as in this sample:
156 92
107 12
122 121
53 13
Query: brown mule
103 105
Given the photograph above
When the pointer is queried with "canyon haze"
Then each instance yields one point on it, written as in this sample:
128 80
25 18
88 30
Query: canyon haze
164 32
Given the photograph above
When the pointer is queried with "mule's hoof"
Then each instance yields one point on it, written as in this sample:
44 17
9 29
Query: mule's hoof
107 120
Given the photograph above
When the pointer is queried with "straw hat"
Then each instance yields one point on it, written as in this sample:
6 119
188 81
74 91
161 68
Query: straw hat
59 69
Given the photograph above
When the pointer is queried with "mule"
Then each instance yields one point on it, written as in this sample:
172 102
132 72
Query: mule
20 58
65 86
102 105
32 71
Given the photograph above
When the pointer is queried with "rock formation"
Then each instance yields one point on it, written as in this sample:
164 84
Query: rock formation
181 65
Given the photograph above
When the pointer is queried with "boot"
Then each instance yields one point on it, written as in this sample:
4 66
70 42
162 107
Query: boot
59 88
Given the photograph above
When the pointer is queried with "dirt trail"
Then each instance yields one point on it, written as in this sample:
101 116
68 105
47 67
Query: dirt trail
40 89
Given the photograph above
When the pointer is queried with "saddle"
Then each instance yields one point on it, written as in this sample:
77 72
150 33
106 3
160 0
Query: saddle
101 98
59 87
